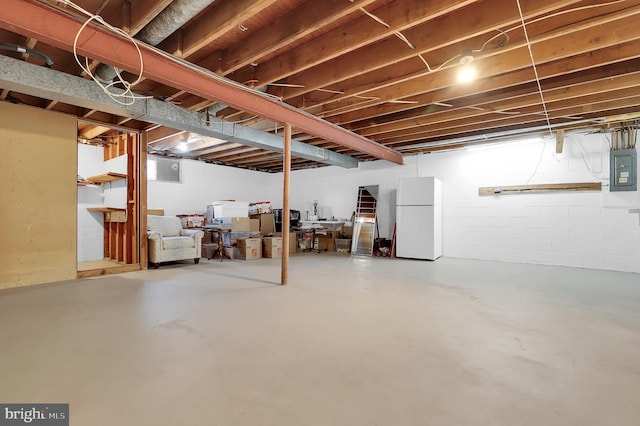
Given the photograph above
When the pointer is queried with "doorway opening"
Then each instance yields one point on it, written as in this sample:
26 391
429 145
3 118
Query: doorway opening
108 203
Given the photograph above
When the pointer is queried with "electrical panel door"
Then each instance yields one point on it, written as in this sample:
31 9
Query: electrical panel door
624 170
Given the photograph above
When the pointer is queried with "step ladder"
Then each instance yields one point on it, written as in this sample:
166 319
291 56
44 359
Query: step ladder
365 221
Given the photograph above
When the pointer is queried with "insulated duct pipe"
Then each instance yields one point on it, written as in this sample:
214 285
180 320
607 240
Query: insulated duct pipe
170 20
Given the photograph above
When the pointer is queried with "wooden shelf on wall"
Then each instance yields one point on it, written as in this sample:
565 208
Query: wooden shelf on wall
547 187
106 209
106 177
111 214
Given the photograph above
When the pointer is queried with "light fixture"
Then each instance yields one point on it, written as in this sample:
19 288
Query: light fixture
468 72
182 146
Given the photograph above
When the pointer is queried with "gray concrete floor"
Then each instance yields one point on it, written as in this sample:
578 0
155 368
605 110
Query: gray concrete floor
350 341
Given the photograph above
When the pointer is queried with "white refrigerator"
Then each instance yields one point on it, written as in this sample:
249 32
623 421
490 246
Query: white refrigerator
419 218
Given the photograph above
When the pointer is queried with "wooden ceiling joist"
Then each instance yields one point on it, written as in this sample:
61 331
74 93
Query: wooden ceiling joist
51 26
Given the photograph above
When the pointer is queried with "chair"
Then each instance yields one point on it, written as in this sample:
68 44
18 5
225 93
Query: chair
169 242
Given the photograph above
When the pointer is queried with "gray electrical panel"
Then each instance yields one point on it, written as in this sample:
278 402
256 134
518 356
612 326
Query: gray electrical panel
623 170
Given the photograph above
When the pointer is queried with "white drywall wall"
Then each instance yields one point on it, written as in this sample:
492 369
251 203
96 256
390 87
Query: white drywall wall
111 194
581 229
90 224
203 183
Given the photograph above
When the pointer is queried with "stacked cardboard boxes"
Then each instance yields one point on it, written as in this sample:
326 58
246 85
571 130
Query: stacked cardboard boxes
267 223
249 248
193 220
272 247
260 207
293 247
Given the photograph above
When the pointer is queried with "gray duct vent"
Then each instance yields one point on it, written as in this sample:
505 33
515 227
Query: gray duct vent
168 169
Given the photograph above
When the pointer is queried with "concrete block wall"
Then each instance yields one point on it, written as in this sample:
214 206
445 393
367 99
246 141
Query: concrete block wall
577 229
581 229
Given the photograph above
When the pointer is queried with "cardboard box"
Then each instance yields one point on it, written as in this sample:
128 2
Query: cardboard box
208 250
347 230
304 244
272 247
249 248
231 238
255 225
260 207
343 245
267 223
208 237
293 246
231 252
191 220
156 212
323 243
241 224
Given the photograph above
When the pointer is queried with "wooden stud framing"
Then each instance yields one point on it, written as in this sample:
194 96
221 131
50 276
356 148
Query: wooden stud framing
142 199
559 141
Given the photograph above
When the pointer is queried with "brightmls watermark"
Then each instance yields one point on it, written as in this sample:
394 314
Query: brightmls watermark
34 414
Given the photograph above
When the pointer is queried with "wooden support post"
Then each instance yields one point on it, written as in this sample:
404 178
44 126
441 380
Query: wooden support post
142 200
286 167
130 226
559 141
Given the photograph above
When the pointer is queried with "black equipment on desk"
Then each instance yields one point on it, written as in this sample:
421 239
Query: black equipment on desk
294 219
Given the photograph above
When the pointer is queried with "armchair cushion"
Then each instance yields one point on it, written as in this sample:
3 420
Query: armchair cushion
169 243
168 226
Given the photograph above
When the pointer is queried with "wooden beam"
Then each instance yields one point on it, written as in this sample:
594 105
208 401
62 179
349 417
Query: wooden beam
548 187
130 242
212 25
284 278
583 37
108 271
476 19
142 200
559 141
305 19
60 30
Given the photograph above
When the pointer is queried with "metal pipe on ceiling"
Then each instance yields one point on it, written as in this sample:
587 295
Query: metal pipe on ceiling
33 19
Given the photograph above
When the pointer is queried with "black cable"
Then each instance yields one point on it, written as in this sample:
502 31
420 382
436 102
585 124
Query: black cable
48 62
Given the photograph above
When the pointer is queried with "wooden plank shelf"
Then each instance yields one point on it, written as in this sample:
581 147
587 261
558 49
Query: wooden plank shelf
548 187
106 177
105 209
111 214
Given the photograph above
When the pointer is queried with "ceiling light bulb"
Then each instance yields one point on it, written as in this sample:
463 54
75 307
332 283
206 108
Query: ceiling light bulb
466 74
182 147
466 59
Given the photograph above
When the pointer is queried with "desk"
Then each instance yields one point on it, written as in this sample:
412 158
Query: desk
332 225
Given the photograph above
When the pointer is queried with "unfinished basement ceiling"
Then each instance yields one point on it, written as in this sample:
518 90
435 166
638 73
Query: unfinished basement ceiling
384 69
